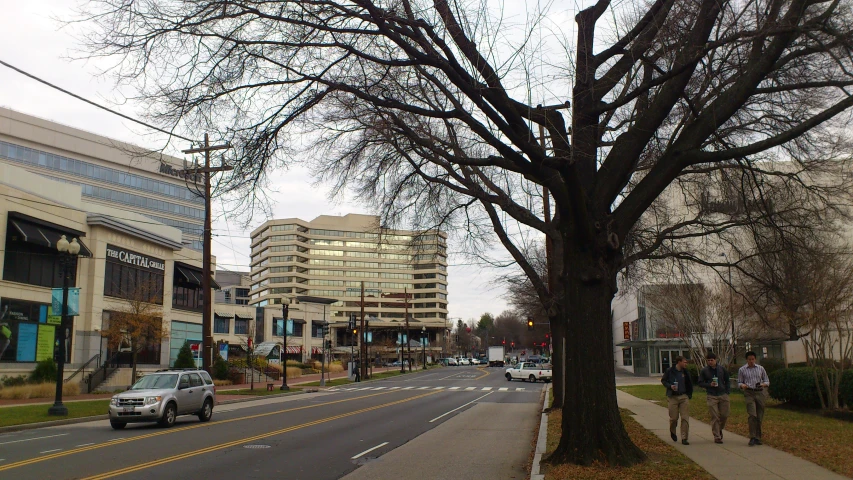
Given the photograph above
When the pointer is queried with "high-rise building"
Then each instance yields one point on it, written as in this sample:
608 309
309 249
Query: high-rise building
333 258
109 172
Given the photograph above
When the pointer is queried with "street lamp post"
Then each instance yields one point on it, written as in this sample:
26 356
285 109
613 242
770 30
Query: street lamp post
285 310
423 344
67 258
402 352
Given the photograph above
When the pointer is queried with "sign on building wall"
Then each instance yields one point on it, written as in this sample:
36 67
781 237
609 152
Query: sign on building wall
136 259
626 330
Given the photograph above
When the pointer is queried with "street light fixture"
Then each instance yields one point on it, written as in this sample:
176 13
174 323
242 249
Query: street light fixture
423 344
67 258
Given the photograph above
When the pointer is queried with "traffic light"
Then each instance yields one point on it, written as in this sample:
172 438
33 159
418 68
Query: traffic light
546 336
529 323
352 322
503 342
512 344
355 331
328 344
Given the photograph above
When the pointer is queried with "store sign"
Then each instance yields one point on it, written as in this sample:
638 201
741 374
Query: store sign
626 330
135 259
170 170
73 301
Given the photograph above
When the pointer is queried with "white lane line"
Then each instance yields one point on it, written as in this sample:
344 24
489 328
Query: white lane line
519 389
438 388
486 389
468 389
453 388
408 388
461 406
394 388
36 438
504 389
380 388
369 450
423 388
54 450
84 445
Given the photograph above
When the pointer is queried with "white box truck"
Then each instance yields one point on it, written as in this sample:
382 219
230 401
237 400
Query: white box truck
496 356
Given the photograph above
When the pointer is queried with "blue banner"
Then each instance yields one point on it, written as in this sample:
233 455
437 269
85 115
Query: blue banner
369 337
223 351
27 337
289 327
73 301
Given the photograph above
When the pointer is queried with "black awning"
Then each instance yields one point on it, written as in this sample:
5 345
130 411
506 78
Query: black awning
40 232
188 274
244 316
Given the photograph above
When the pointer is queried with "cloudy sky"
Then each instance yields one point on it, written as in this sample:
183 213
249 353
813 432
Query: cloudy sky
32 40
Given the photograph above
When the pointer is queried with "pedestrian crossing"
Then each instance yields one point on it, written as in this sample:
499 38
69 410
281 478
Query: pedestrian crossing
350 388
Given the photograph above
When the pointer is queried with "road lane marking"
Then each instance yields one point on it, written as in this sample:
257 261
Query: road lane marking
486 389
120 441
454 388
369 450
243 441
470 388
461 406
394 388
54 450
423 388
503 389
31 439
380 388
438 388
519 389
85 444
408 388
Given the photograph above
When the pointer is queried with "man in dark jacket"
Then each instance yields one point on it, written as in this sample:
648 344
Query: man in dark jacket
679 391
715 380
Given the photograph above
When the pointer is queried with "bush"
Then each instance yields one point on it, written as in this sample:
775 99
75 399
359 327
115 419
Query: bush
293 372
693 370
299 365
223 383
771 365
847 389
185 357
797 386
220 368
38 390
14 381
45 371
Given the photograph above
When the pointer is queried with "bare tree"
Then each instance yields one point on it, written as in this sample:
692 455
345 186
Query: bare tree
702 316
138 322
417 111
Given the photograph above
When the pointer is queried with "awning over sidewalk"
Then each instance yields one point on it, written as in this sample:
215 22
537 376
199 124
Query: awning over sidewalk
40 232
294 349
316 351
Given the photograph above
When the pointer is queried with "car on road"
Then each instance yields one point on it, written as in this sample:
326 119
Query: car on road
449 362
528 371
464 361
473 361
163 396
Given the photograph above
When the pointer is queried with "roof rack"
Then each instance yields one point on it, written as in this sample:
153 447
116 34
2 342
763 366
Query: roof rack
179 370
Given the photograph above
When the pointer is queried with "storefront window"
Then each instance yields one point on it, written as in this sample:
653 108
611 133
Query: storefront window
133 276
28 331
627 359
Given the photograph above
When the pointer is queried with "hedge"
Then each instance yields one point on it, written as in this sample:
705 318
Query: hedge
797 387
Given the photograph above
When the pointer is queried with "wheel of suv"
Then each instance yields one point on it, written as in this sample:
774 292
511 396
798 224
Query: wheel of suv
206 411
169 415
508 377
117 425
532 378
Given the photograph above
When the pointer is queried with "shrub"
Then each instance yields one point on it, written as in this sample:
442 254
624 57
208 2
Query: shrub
223 383
220 368
771 365
293 372
14 381
45 371
693 370
185 357
335 368
797 386
38 390
299 365
847 389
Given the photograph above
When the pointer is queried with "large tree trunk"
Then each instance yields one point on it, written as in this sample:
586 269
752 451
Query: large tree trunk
592 427
557 358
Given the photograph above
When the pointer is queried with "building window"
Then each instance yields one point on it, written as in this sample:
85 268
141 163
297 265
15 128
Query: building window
187 298
627 358
221 324
316 330
125 281
241 326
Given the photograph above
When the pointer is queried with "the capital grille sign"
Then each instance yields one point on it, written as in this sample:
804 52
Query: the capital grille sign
135 259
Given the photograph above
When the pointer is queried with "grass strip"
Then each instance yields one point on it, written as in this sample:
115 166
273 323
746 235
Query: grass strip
664 462
804 433
260 392
25 414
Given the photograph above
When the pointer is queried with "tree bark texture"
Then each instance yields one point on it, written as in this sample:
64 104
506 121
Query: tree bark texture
557 361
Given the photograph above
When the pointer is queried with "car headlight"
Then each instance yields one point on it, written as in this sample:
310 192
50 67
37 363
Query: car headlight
151 400
114 401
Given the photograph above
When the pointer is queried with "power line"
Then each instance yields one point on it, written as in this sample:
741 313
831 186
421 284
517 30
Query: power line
78 97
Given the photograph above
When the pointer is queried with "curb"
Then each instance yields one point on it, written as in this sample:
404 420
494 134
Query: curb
541 440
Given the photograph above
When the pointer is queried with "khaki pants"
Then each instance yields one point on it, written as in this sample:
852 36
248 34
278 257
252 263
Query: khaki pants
755 409
679 405
718 406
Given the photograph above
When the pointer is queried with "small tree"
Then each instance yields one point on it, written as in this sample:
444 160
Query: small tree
139 322
185 357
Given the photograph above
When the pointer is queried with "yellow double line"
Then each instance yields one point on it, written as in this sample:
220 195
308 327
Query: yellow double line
242 441
120 441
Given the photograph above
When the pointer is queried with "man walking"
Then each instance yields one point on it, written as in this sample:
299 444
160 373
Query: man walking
715 380
753 380
679 391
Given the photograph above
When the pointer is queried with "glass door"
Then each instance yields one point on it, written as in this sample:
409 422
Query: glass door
665 360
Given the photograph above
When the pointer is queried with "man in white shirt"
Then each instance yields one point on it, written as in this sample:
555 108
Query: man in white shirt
753 380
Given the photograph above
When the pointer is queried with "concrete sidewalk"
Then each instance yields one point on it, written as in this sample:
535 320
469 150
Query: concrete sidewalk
734 459
489 441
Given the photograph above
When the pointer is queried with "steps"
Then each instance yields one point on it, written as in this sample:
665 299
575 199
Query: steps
118 380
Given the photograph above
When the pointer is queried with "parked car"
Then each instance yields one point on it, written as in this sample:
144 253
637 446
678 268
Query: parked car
464 361
528 371
449 362
163 396
473 361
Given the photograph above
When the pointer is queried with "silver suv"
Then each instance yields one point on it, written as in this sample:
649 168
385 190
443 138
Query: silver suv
162 396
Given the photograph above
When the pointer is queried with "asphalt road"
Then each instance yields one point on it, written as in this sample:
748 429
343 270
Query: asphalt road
323 435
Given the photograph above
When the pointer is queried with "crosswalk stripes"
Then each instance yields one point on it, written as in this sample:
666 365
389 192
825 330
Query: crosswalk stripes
503 389
470 388
486 389
455 389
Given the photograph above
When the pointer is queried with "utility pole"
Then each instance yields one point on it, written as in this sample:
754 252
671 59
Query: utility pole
362 336
207 313
408 342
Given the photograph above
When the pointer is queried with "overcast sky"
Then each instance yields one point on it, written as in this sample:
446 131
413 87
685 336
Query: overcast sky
32 40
